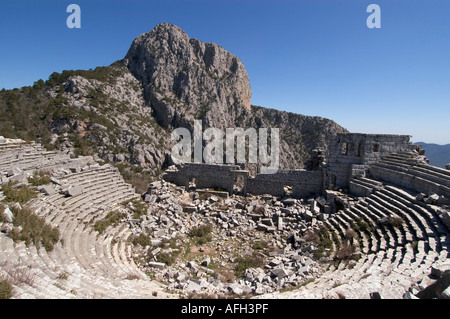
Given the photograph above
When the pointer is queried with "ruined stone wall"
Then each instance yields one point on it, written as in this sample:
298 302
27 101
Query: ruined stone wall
304 183
352 152
204 175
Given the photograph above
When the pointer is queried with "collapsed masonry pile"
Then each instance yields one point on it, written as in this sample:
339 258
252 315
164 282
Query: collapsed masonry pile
258 228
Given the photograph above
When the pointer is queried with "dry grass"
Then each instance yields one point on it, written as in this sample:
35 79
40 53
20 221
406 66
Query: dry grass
133 276
350 233
345 252
34 229
6 289
395 221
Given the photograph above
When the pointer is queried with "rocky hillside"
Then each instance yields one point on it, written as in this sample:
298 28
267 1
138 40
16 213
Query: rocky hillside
124 113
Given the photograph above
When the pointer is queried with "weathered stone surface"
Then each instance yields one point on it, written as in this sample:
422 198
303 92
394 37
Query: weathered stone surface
74 190
289 201
47 190
206 261
6 228
8 215
279 273
188 71
155 264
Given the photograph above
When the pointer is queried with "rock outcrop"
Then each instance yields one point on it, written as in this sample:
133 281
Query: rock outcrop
186 79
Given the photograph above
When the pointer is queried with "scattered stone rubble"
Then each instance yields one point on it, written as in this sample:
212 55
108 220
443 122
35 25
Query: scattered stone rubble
239 222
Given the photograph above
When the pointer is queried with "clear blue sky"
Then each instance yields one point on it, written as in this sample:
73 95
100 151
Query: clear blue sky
312 57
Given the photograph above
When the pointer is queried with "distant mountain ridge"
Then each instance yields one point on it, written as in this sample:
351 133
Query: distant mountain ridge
439 155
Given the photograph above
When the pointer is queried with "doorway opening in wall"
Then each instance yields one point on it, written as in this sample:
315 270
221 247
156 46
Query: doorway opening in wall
360 149
238 185
376 148
287 190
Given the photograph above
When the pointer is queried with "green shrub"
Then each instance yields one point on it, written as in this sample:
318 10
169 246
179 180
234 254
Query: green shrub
362 225
245 262
142 239
167 258
111 219
5 289
34 229
40 178
396 221
140 209
2 209
260 245
201 234
21 194
345 252
201 231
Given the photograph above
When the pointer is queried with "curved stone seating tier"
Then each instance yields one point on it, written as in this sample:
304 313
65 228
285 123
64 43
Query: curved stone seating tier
17 154
84 264
411 172
393 257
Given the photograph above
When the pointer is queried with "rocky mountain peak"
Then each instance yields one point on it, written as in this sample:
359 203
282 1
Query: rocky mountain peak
186 79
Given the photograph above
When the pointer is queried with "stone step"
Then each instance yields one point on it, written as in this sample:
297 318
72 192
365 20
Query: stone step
375 239
393 236
430 221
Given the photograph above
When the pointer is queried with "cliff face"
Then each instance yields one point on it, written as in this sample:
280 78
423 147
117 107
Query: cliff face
185 79
125 113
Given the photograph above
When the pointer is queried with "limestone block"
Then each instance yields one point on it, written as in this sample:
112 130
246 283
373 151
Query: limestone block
267 221
158 265
308 215
13 171
75 190
262 227
409 295
20 177
321 200
206 261
280 223
279 273
289 201
315 208
6 228
47 190
8 215
189 209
